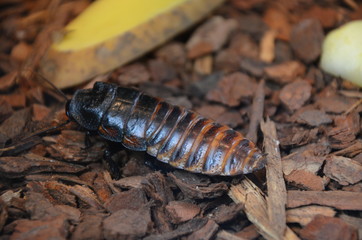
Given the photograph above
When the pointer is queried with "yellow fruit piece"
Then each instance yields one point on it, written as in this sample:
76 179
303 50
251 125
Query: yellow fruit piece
342 52
110 33
108 19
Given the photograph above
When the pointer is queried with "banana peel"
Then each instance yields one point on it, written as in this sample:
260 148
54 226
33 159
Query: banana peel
111 33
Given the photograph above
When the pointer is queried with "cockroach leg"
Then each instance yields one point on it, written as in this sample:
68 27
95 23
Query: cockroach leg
111 164
87 140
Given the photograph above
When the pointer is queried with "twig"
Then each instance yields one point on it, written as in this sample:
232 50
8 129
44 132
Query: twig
354 106
277 195
256 112
267 46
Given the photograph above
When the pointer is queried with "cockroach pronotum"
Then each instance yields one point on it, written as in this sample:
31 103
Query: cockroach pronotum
172 134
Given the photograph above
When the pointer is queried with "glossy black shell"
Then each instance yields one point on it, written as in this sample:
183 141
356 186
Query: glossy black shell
172 134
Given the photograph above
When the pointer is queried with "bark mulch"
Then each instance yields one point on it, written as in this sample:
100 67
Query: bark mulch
252 65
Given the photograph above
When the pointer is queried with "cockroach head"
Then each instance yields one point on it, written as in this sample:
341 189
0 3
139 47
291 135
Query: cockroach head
88 106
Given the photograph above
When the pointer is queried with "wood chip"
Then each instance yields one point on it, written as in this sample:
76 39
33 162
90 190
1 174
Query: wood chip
173 53
283 52
278 20
14 167
127 224
59 193
132 199
306 39
345 130
267 45
70 146
101 188
221 115
157 187
231 89
310 151
250 232
246 5
328 228
327 16
252 23
15 124
129 182
206 232
312 117
198 190
86 195
304 215
40 112
5 110
203 65
71 213
16 100
136 166
7 81
133 74
285 72
353 221
39 207
56 228
358 158
353 188
306 180
181 211
161 71
244 45
295 94
296 136
21 52
210 36
334 104
227 61
3 214
224 235
338 199
90 227
226 213
186 228
343 170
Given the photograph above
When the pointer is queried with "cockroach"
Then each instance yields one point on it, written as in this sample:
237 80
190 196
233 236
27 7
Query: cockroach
172 134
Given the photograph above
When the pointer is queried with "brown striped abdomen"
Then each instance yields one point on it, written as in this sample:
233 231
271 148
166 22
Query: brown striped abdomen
172 134
183 138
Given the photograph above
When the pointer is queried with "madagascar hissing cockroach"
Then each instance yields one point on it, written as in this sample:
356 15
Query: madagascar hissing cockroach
172 134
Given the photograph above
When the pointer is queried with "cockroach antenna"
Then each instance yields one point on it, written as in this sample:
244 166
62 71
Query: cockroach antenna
44 131
40 132
55 88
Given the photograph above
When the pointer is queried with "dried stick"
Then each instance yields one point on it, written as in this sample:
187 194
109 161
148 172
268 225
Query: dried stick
256 112
277 194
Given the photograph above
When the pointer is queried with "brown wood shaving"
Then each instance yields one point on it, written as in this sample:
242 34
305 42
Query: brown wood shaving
277 196
256 209
257 112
